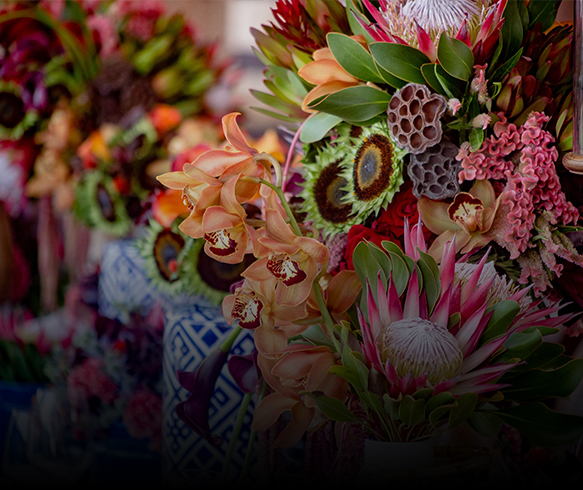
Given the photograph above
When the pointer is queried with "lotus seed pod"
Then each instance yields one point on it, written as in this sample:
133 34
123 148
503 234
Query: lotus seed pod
414 117
434 172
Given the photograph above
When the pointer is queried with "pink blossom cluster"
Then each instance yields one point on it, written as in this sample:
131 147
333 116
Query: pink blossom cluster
90 380
143 416
524 158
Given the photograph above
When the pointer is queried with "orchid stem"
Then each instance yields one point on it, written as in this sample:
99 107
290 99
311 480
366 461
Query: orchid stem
235 435
230 340
251 443
274 163
284 203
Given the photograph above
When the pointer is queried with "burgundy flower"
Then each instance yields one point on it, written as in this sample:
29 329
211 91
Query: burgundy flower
194 411
245 371
360 233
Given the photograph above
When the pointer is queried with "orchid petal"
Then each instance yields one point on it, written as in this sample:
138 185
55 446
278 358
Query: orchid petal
269 410
175 180
301 418
234 134
215 162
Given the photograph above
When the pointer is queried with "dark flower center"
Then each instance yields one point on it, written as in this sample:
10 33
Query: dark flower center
373 167
219 275
329 194
11 110
105 203
167 248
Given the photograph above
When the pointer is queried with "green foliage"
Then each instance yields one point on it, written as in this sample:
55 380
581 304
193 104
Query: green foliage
353 57
455 57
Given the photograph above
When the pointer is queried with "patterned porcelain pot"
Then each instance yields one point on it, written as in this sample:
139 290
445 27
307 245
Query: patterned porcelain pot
190 334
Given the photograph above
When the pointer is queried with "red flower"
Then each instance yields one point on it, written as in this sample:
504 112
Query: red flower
403 207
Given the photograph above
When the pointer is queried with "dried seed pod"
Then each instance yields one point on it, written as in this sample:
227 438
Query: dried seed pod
414 117
434 172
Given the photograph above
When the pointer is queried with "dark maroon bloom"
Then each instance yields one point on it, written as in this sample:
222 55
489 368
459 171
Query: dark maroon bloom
194 411
245 371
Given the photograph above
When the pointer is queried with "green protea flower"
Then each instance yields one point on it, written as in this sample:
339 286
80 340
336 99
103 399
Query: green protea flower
324 194
176 264
98 204
15 119
374 171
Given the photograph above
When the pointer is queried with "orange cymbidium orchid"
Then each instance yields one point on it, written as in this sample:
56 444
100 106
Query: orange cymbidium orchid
327 74
223 226
238 159
293 260
300 368
199 191
254 306
339 294
468 218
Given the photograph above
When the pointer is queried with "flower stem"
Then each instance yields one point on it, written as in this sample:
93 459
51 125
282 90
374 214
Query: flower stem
290 152
230 340
284 203
274 163
251 443
235 436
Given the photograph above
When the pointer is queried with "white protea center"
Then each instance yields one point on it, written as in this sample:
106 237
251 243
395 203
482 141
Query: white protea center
418 346
434 16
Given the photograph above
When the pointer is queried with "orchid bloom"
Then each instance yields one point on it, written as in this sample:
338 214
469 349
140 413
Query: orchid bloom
468 219
301 368
339 294
293 260
327 74
255 307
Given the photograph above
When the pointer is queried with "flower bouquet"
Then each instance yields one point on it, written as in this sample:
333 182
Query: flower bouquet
410 285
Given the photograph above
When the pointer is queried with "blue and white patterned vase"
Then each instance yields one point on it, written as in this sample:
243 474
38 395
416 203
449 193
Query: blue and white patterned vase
123 284
190 334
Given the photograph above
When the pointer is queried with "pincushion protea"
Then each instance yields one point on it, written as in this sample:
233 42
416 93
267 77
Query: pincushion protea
445 343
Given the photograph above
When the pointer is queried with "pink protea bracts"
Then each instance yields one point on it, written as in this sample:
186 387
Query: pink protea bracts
416 343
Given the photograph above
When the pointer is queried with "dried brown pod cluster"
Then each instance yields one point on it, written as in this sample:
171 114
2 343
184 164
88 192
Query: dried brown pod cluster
434 172
414 117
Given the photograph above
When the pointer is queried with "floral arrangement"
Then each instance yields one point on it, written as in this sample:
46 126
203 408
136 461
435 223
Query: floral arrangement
409 286
112 370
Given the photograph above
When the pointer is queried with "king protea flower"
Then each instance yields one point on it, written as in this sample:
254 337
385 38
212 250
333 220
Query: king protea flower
415 346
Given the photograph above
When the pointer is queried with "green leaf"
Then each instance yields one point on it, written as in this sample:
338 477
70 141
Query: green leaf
485 423
411 411
354 104
382 259
400 60
543 426
276 115
506 68
392 247
424 393
476 138
274 102
366 267
438 401
352 13
464 408
332 408
350 361
391 406
543 355
436 417
431 281
315 335
317 126
347 374
449 84
456 57
543 11
390 79
512 30
428 72
400 273
502 317
353 57
539 384
520 346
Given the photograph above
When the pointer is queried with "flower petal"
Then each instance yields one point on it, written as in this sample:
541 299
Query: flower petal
234 134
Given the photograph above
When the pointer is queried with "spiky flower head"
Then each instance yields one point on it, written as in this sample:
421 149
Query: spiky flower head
431 329
373 169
